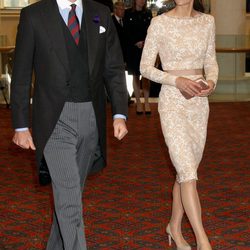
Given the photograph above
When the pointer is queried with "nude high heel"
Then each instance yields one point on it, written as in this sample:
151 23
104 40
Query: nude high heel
170 238
147 109
139 108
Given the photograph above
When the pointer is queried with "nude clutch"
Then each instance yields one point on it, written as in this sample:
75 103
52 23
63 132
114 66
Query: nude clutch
203 85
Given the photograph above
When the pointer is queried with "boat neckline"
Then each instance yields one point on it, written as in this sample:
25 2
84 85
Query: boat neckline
185 17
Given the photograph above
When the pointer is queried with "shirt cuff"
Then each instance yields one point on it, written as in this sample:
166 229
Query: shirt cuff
119 116
21 129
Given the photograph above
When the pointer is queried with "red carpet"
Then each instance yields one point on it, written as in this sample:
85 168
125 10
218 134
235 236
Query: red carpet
128 206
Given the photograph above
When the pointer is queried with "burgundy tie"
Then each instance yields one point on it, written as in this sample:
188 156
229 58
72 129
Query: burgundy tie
73 24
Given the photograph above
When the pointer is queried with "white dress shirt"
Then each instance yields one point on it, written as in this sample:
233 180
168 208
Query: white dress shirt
65 7
119 20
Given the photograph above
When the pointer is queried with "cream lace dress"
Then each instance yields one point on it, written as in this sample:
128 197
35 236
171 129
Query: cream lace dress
182 44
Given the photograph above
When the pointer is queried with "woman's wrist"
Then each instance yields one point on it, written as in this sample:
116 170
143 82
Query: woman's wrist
211 84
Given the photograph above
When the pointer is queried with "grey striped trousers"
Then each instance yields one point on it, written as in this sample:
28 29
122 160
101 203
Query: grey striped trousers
69 154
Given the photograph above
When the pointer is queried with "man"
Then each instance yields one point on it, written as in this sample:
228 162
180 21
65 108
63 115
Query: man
119 11
74 50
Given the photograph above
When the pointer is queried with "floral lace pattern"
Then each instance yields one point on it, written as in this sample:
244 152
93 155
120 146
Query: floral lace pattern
182 44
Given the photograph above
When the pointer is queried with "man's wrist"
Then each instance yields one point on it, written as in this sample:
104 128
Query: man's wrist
21 129
116 116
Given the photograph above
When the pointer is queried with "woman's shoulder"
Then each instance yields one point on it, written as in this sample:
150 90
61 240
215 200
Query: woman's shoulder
128 12
208 20
208 17
158 19
157 23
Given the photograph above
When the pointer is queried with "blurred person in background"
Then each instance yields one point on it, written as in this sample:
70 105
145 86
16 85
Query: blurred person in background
118 15
136 23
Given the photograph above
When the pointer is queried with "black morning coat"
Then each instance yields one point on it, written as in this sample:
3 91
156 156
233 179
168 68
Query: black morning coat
40 46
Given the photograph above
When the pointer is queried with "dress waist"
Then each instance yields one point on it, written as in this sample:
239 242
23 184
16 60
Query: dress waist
185 72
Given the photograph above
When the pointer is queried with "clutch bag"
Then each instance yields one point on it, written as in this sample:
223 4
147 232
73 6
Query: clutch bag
201 82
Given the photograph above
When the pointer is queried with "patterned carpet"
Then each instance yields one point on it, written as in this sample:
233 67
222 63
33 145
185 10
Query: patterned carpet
127 206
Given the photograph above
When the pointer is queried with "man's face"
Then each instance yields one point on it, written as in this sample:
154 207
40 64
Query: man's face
119 11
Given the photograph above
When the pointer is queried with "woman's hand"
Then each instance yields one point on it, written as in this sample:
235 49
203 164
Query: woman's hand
186 85
208 91
140 44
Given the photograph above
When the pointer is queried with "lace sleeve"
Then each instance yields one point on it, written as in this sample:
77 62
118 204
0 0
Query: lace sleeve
210 63
149 55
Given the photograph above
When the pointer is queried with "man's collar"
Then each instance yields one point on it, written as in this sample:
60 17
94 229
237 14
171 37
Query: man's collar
117 17
64 4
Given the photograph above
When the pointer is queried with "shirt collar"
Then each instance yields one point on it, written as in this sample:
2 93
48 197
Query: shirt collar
65 4
117 18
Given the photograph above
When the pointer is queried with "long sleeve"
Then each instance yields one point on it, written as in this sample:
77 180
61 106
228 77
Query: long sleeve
210 64
114 74
149 55
22 73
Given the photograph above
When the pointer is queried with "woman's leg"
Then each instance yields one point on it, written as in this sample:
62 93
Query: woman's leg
177 215
136 86
192 207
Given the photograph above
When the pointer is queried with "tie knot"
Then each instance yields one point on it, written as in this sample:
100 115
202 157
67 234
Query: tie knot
73 6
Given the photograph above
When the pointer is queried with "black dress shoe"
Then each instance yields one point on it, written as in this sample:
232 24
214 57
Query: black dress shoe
44 175
130 102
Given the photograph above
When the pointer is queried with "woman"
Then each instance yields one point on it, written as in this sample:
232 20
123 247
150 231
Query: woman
184 38
136 22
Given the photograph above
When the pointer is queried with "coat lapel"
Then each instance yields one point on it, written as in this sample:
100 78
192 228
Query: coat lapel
91 19
52 22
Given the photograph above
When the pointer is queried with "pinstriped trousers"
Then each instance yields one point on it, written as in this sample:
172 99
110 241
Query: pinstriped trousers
69 154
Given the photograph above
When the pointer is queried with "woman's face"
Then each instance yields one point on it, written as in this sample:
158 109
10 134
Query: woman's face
184 2
140 3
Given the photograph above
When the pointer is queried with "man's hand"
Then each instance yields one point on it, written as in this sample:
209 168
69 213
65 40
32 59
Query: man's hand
23 139
120 128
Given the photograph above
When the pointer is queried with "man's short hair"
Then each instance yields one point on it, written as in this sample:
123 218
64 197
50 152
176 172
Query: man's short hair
119 4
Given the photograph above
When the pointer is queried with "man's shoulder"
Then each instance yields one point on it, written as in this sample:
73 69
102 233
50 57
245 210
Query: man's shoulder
36 5
114 18
33 8
97 5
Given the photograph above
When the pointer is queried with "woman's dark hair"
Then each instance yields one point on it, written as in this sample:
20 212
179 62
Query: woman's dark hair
134 6
198 5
